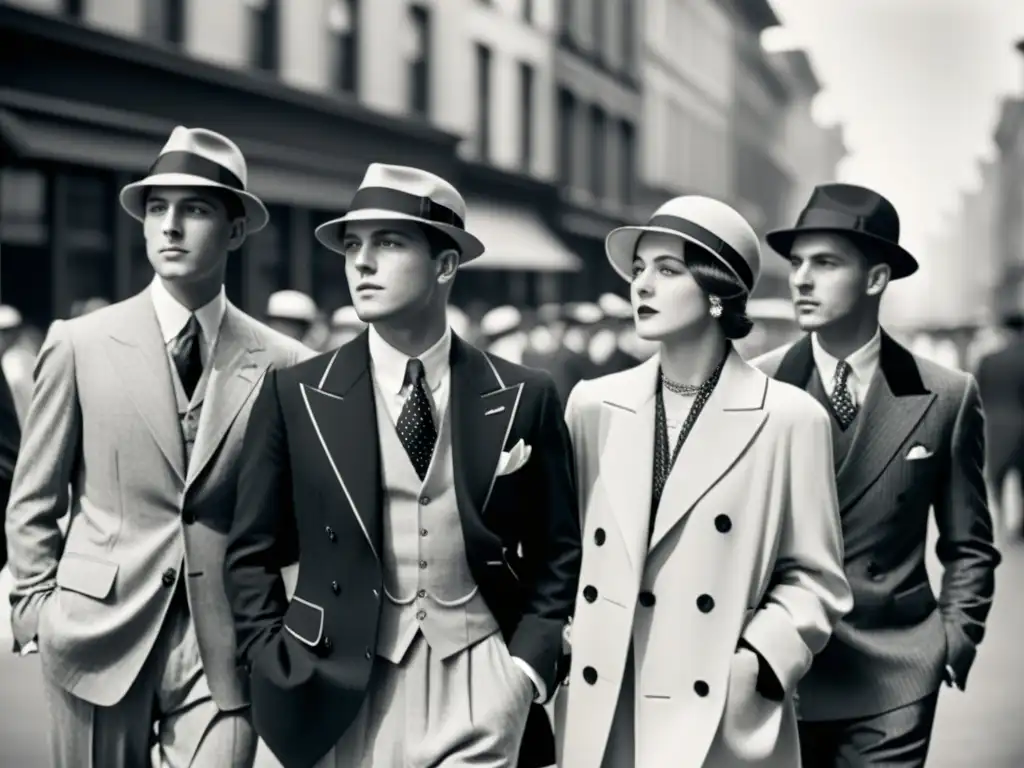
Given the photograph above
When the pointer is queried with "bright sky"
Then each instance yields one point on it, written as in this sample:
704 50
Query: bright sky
916 85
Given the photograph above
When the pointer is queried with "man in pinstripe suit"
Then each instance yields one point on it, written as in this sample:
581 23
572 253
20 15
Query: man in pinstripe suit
908 436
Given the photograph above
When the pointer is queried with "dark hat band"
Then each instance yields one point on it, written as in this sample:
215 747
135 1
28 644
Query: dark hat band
709 240
829 218
384 198
195 165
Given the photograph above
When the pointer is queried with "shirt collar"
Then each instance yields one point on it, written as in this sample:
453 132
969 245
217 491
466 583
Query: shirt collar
864 361
389 364
173 316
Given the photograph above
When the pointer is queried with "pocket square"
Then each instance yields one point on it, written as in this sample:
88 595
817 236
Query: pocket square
513 460
918 452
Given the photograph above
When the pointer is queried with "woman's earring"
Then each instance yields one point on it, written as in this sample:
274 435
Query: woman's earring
716 306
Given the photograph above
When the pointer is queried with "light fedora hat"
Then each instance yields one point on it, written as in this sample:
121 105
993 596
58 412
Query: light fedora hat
196 157
711 224
401 193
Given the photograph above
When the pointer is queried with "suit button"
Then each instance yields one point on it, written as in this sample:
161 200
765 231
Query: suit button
705 603
423 531
589 675
421 615
169 577
424 500
376 595
701 688
188 516
331 534
590 593
335 587
723 524
327 643
423 564
421 594
599 536
368 654
646 599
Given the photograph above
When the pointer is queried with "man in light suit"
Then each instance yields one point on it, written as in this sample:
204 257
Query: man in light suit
908 436
425 489
141 408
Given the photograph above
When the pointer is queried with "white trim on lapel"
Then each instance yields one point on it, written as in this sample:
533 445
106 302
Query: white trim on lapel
508 428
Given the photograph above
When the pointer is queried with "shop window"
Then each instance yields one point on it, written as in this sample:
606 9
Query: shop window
25 262
419 60
343 25
266 257
88 235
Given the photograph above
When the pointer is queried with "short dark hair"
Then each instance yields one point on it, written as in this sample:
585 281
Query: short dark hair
232 203
439 241
715 279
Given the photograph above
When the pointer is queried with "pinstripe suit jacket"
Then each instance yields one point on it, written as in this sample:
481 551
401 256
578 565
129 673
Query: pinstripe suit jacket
919 445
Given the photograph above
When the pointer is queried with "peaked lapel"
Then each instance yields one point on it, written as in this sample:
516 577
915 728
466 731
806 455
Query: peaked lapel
342 411
896 402
483 408
731 418
138 353
236 367
627 454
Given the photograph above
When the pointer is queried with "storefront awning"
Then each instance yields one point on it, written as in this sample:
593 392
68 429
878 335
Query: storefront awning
516 239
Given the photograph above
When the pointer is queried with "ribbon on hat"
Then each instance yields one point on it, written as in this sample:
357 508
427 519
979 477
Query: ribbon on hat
385 198
709 240
195 165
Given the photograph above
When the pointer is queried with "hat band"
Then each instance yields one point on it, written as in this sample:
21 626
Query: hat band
709 240
395 200
195 165
827 217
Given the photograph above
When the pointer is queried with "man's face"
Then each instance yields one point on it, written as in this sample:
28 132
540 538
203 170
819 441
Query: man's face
831 280
188 234
390 269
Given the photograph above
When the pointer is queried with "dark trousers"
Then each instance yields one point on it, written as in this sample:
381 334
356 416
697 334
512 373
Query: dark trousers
895 739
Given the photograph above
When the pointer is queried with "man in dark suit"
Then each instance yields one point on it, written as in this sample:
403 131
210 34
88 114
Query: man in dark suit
425 489
10 438
908 436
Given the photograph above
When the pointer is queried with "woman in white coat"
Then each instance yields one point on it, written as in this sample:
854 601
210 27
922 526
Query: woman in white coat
712 552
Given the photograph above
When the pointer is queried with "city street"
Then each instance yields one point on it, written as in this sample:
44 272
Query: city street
978 728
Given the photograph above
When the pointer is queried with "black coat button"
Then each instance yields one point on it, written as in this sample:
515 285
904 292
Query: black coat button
874 572
723 524
705 603
599 536
590 593
335 587
188 516
589 675
701 688
331 534
646 599
169 577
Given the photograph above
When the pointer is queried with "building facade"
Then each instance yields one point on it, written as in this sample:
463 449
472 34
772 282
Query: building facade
1008 207
688 74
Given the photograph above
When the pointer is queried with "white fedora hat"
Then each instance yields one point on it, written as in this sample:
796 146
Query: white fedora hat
290 304
196 157
401 193
711 224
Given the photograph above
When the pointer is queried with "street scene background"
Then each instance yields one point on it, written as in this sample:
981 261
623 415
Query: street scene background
559 120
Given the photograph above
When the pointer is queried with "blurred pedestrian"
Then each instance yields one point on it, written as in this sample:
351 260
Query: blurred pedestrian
907 438
10 437
345 326
16 362
546 349
136 420
702 483
605 350
426 625
291 312
502 333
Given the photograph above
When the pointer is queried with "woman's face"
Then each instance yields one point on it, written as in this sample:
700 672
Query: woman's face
666 299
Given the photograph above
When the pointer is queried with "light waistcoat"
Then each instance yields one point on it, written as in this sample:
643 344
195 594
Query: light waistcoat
189 411
427 582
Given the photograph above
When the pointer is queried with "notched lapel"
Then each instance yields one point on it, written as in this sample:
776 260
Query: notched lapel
137 352
343 415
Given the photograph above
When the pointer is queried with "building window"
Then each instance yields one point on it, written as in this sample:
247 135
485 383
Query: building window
597 22
88 235
627 159
26 268
598 153
566 135
164 21
526 78
419 60
528 11
628 42
483 101
74 8
343 23
264 29
565 20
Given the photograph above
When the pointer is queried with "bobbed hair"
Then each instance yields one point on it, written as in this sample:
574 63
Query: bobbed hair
715 279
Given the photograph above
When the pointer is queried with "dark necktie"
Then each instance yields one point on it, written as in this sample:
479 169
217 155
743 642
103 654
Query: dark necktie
842 401
185 354
416 427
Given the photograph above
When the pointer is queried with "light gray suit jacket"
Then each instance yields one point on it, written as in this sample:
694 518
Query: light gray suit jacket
103 434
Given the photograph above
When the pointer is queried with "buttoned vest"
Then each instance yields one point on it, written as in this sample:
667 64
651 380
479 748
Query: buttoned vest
842 439
189 411
427 583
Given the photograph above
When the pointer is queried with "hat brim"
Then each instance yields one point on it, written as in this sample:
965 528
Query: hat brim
900 262
133 197
620 248
331 233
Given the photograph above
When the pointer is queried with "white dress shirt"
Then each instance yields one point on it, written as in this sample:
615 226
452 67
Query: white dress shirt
172 317
388 367
863 362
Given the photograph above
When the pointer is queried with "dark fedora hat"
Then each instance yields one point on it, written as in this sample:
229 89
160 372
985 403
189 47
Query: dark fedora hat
860 214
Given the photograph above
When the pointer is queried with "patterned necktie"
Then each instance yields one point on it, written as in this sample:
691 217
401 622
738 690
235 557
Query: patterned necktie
841 400
185 354
416 428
